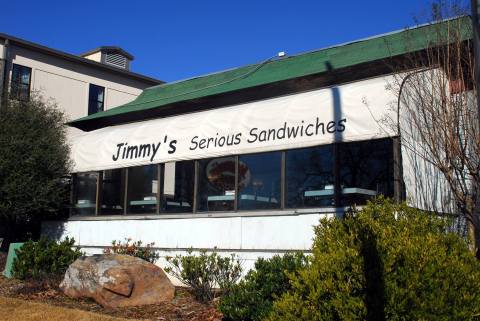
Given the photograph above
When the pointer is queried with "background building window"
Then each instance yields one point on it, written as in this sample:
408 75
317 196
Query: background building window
85 193
142 189
20 86
112 192
366 170
310 180
177 187
259 178
96 99
216 184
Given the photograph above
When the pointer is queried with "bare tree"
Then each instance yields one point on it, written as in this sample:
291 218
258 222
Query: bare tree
437 116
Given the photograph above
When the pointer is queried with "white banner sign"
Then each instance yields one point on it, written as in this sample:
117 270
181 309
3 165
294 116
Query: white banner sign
344 113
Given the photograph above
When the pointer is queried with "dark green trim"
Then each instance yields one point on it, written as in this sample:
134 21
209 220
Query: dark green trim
277 70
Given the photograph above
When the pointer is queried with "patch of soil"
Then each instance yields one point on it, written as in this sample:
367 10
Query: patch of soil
183 307
3 260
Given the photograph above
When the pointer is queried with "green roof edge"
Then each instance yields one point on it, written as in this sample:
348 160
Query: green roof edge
271 71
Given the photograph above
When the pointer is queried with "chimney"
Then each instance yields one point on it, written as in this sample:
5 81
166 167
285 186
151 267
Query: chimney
110 55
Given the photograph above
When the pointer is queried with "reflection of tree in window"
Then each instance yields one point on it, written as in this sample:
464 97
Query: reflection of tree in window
177 189
112 192
216 184
85 193
262 189
366 170
96 99
20 86
309 177
142 189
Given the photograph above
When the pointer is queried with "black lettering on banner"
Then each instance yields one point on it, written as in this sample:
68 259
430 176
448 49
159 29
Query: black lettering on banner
172 146
341 126
193 141
306 130
145 148
130 150
155 150
331 127
115 158
238 138
252 133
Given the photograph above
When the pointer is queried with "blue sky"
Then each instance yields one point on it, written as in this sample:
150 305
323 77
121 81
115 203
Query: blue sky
173 40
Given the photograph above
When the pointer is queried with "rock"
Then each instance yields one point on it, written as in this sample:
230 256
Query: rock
114 280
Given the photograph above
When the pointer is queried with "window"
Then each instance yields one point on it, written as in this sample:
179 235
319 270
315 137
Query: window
85 193
177 187
142 189
216 184
342 174
310 177
259 178
112 192
96 99
366 170
20 86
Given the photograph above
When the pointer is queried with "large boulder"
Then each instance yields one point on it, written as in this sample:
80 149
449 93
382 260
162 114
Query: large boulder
114 280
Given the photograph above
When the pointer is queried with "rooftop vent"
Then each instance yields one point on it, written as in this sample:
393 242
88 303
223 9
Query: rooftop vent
110 55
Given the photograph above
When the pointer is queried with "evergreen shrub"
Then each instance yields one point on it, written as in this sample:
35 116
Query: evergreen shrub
385 262
45 258
252 297
204 272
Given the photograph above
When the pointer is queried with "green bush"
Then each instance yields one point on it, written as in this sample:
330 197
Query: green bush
252 298
35 167
204 272
44 258
136 249
386 262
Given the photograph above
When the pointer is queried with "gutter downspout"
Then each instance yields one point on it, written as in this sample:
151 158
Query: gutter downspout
4 74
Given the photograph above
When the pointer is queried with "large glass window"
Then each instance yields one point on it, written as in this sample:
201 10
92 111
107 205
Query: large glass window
96 99
20 86
112 192
341 174
178 187
85 193
366 170
216 184
142 189
310 177
259 177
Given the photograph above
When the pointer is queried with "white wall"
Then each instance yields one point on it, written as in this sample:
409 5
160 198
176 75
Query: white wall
249 237
68 82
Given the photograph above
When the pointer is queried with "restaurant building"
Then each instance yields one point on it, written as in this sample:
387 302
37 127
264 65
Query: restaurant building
246 160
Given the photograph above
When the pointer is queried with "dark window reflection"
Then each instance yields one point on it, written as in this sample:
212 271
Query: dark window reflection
142 189
216 184
112 192
178 185
366 170
310 177
259 181
96 99
85 193
20 85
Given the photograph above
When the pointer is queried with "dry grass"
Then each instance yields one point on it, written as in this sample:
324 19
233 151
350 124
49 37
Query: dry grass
20 310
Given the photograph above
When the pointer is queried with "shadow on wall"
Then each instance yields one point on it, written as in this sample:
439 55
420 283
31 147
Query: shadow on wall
337 115
54 230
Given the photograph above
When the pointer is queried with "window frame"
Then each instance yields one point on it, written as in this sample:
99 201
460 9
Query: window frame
398 188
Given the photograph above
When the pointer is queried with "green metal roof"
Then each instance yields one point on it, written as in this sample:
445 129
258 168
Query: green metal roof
274 70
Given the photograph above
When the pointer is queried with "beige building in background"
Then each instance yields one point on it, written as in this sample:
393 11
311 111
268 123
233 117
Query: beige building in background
80 85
